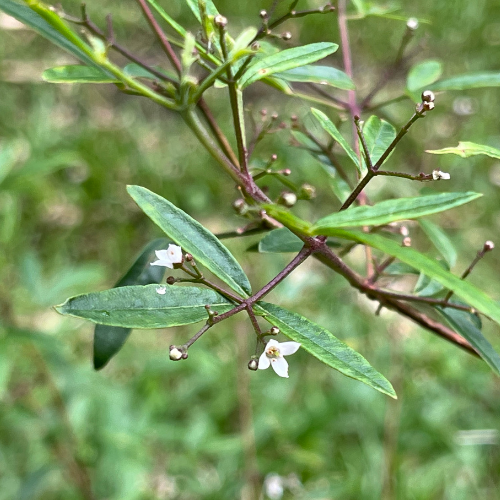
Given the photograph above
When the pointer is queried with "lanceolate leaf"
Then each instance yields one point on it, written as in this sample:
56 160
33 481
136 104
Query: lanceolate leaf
468 81
285 60
326 347
378 134
470 294
108 340
329 126
323 75
461 322
440 240
34 20
77 74
206 249
150 306
392 210
466 149
288 219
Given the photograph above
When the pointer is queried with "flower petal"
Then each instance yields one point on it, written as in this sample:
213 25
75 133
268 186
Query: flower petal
272 343
175 254
264 361
162 254
164 263
287 348
280 366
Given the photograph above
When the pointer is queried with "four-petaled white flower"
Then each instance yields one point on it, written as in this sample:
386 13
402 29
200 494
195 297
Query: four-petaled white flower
167 258
437 175
273 356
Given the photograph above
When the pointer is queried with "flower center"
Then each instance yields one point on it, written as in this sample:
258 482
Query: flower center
272 352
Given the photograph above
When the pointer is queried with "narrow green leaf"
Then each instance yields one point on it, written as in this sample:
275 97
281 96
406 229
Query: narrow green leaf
461 322
422 75
468 81
206 249
328 125
466 291
77 74
136 71
67 40
285 60
323 75
326 347
288 219
108 340
149 306
466 149
280 240
207 5
427 287
242 41
440 240
379 134
389 211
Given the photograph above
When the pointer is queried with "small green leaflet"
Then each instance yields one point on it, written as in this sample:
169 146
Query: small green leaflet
462 323
329 126
389 211
466 149
149 306
379 135
206 249
285 60
421 76
322 75
108 340
470 294
326 347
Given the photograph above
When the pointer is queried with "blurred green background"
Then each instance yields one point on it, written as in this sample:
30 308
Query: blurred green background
147 428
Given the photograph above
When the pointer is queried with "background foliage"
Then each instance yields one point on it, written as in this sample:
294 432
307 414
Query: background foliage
147 428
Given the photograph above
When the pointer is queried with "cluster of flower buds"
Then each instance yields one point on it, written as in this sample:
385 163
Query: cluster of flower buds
177 353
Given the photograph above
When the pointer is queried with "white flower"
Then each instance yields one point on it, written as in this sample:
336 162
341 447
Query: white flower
438 175
169 257
273 486
273 356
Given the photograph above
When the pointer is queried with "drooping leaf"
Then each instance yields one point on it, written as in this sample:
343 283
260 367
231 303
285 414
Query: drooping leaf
440 240
329 126
280 240
462 323
323 75
285 60
421 76
379 134
207 5
469 81
108 340
67 40
77 74
206 249
326 347
470 294
389 211
149 306
466 149
287 218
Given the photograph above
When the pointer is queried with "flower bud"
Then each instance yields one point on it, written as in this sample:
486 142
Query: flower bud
307 192
488 246
175 353
171 280
437 175
286 35
240 206
274 116
407 241
287 199
253 364
188 257
412 23
274 330
428 106
428 96
263 14
220 21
